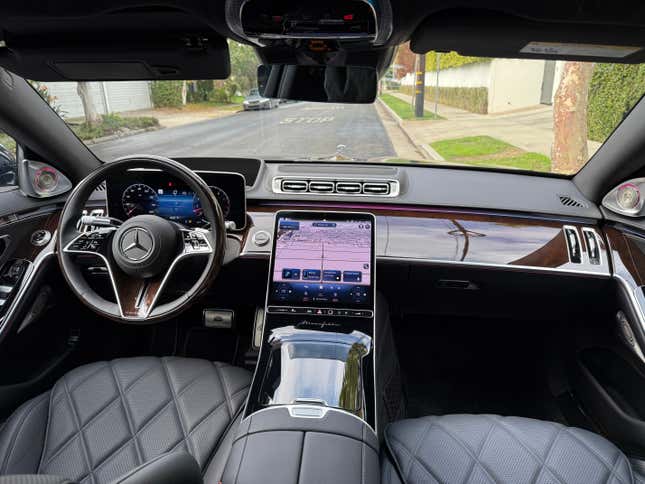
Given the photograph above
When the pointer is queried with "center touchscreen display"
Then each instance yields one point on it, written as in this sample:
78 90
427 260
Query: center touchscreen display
323 261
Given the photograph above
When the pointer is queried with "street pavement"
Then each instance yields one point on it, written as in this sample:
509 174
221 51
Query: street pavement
295 130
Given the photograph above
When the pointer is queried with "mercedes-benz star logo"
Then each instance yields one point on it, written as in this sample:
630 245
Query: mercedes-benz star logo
136 244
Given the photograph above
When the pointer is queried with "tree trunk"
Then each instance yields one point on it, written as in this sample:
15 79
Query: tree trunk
184 92
92 116
570 151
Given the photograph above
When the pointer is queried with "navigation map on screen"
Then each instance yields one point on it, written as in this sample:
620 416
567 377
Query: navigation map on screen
322 262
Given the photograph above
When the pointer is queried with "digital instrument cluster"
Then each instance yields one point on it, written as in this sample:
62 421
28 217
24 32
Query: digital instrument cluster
155 193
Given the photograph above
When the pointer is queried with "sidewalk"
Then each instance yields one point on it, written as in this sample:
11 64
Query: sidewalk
191 113
530 129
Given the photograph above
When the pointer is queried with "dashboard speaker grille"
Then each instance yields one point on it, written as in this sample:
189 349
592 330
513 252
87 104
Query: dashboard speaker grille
569 201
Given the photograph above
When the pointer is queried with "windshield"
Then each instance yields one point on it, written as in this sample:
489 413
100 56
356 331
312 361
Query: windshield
535 115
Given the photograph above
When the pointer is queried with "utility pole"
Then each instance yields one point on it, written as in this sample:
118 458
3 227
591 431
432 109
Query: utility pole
420 85
436 90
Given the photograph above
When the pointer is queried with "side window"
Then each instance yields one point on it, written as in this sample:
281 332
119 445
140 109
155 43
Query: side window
8 166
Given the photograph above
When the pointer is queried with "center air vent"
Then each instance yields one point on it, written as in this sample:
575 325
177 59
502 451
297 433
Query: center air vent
332 186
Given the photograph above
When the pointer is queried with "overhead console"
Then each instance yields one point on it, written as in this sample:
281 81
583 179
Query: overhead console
263 21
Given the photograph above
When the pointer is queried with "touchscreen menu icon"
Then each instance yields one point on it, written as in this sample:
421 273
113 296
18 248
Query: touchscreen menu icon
311 274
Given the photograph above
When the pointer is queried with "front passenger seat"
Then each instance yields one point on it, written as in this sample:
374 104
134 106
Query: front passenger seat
102 420
461 449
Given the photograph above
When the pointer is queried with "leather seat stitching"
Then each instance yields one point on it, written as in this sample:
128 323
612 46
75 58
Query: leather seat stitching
584 444
80 434
225 388
467 449
70 439
179 415
548 454
128 417
479 452
417 446
527 448
413 460
14 439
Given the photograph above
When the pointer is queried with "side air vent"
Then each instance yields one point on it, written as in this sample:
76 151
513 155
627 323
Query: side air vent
573 244
101 187
569 201
330 186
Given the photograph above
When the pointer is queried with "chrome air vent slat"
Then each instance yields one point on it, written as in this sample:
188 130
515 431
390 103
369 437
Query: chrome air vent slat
349 187
321 187
372 187
294 186
376 188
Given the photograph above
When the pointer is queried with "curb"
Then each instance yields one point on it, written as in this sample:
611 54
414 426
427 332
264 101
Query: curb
111 137
399 121
430 151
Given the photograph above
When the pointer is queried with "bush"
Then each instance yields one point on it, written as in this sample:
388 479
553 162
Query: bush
113 124
166 94
613 92
448 60
199 91
221 95
473 99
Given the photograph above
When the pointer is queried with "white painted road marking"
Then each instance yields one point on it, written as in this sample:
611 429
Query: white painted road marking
308 120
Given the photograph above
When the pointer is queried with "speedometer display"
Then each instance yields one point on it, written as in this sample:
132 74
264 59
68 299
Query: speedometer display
139 199
223 200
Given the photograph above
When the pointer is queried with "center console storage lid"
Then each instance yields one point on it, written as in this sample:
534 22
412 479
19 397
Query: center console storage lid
275 447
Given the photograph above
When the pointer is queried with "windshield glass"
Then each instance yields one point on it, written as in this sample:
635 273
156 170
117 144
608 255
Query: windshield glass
536 115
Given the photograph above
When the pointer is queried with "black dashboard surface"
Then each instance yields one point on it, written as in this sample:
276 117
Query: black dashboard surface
139 192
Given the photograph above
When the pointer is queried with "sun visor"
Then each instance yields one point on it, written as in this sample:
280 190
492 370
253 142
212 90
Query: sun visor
490 34
135 59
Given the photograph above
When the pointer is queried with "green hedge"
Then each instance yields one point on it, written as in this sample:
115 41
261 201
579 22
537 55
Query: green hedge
166 94
448 60
613 92
473 99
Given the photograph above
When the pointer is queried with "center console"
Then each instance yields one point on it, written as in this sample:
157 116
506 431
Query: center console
320 398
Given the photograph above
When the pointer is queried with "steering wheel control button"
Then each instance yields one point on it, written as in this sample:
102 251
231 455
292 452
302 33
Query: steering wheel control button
136 244
41 237
261 238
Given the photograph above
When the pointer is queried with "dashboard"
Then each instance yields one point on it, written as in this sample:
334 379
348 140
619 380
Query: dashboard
140 192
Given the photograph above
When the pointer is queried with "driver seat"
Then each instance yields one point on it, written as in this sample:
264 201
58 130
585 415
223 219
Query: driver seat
102 420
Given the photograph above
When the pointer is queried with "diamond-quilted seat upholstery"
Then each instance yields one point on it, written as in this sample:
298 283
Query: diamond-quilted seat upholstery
461 449
104 419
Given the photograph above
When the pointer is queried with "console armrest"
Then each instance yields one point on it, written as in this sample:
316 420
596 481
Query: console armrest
274 447
172 468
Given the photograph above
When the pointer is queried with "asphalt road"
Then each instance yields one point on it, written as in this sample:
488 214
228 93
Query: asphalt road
296 130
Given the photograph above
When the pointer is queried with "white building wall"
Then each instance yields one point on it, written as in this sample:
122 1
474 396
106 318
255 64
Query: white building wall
514 84
469 75
120 96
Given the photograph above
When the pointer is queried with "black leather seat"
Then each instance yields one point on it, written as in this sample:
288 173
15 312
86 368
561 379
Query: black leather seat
464 449
102 420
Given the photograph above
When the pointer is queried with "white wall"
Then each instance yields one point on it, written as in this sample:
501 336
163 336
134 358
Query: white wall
515 84
469 75
120 96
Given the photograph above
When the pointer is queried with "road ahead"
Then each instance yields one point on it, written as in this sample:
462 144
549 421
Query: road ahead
292 130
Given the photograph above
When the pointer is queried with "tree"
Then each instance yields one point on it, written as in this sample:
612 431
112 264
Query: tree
92 116
244 66
570 151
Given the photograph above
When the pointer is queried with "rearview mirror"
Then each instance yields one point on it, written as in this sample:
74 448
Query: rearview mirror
347 84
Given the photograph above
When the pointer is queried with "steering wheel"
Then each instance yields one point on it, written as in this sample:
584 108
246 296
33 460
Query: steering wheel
141 253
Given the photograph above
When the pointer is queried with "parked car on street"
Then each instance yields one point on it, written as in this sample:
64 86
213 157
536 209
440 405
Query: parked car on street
255 101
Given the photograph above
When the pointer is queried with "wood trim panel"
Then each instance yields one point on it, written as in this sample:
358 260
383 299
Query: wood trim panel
459 236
